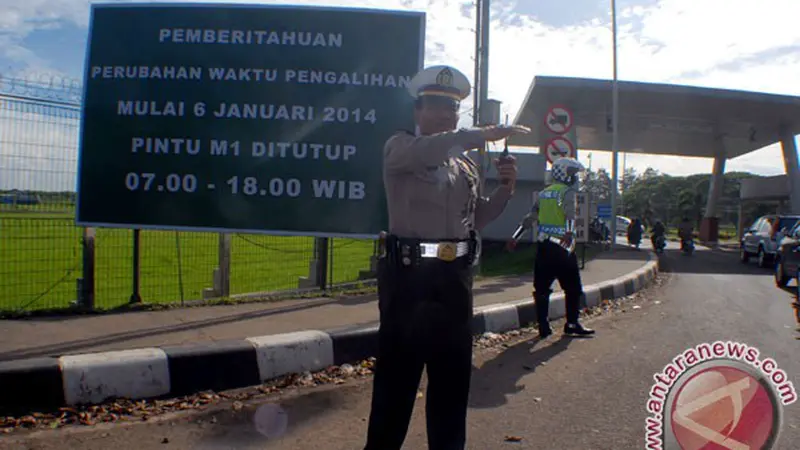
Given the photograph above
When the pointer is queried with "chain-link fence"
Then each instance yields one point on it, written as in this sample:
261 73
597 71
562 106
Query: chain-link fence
46 262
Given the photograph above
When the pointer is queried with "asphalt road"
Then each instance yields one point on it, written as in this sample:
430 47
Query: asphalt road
556 394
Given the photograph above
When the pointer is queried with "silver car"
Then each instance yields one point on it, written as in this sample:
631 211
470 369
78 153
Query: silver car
787 262
762 238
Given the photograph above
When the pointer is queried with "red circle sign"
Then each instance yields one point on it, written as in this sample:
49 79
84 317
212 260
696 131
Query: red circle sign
722 407
558 119
559 147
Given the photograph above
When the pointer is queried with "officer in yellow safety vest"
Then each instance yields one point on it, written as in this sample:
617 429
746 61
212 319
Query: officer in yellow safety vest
554 210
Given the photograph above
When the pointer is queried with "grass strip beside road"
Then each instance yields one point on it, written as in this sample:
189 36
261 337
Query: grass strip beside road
500 263
41 259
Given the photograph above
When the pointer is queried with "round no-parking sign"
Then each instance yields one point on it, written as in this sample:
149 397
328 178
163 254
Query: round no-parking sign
559 147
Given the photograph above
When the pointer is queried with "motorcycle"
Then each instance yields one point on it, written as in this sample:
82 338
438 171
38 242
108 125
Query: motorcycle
660 244
598 231
687 246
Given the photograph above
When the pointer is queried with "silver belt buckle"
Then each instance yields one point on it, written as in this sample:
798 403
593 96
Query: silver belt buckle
447 251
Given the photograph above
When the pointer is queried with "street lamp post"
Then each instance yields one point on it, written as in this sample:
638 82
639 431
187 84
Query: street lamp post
476 100
614 126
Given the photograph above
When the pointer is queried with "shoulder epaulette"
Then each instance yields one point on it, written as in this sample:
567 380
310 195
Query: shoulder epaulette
469 161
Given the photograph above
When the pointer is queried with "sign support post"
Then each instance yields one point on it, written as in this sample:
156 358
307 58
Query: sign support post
582 223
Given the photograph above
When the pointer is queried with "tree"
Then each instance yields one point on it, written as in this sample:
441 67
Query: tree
598 185
655 196
629 178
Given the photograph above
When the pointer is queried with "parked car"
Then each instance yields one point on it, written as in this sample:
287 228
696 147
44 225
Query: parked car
761 239
787 261
622 225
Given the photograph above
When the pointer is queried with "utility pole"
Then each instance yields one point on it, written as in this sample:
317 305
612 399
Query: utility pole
482 25
614 128
484 30
476 96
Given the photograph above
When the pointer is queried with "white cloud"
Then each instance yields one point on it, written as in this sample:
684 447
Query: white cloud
735 44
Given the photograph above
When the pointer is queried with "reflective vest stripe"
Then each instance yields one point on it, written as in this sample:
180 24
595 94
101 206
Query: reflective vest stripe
553 230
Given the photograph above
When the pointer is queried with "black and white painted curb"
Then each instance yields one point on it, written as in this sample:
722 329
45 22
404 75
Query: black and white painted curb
182 370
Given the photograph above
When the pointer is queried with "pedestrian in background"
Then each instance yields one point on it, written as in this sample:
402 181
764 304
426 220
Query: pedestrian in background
554 211
425 271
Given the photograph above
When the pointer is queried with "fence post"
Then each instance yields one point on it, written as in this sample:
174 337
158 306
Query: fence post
321 246
86 284
224 274
136 296
317 267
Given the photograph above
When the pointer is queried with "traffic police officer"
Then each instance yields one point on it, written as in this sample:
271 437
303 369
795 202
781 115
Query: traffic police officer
554 210
425 270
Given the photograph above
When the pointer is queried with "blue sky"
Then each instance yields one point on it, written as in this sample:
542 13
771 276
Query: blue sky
735 44
62 48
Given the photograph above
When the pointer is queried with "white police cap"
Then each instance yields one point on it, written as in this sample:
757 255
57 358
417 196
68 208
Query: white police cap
441 81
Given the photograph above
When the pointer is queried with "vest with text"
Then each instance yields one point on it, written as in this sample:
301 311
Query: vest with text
552 219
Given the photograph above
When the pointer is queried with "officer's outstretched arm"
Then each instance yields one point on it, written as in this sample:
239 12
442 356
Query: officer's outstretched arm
490 208
405 152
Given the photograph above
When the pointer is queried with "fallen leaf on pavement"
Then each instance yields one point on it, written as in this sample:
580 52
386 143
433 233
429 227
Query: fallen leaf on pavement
513 439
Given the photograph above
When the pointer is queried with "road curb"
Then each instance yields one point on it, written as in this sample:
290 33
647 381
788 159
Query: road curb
182 370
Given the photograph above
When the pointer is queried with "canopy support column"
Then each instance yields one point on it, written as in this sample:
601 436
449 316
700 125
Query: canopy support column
709 227
789 146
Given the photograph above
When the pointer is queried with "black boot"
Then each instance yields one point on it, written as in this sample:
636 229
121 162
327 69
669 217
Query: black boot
545 330
576 329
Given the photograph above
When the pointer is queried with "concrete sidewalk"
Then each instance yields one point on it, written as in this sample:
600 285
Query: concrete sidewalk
54 337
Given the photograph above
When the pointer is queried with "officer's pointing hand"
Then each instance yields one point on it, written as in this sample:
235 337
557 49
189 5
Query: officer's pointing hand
495 133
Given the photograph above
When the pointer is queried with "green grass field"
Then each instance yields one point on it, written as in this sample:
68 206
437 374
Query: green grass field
41 257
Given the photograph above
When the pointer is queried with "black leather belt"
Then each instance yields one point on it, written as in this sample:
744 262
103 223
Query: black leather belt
408 251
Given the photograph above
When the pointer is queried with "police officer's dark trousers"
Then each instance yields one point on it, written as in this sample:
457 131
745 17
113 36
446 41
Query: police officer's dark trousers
425 314
553 262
